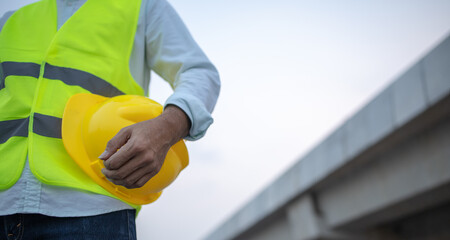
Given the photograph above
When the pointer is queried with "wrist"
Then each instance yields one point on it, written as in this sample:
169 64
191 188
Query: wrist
177 122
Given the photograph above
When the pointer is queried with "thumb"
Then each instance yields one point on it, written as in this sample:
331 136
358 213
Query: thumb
115 143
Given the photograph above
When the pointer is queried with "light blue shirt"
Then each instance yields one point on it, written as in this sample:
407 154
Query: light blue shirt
162 44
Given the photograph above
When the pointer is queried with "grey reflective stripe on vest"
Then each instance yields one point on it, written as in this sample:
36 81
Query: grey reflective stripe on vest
18 69
44 125
83 79
69 76
47 126
13 128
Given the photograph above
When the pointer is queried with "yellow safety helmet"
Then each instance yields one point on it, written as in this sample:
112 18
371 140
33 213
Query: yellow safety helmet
90 121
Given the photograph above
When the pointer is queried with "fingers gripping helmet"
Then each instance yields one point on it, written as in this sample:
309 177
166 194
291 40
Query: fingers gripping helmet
90 121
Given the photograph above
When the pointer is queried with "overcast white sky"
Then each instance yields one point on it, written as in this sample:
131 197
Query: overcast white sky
292 71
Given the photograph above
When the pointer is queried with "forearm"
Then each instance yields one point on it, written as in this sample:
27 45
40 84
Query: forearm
173 54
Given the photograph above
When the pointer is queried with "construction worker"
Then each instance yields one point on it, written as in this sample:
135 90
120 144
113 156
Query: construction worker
53 49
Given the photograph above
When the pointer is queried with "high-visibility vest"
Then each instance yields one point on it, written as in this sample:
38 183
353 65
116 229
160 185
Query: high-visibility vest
43 67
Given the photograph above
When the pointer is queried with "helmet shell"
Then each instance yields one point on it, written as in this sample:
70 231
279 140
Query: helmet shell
90 121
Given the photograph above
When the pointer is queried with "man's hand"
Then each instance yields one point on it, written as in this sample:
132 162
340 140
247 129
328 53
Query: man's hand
137 152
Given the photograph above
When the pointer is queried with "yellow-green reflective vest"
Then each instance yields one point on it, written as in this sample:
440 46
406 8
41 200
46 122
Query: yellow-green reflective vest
42 67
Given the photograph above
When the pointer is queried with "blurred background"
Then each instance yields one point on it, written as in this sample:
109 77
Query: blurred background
292 73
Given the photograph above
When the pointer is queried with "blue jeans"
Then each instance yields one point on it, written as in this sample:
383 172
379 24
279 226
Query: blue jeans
115 225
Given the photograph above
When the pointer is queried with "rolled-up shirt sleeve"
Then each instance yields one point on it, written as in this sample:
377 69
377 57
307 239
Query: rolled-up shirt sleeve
172 53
